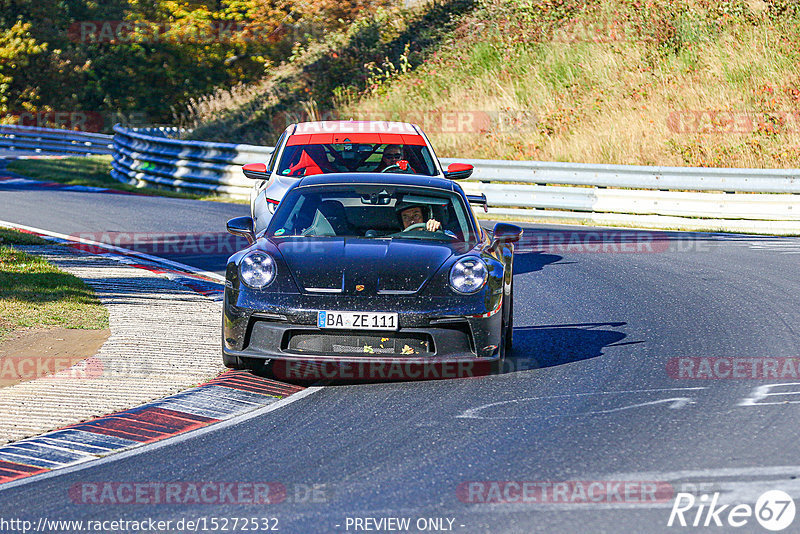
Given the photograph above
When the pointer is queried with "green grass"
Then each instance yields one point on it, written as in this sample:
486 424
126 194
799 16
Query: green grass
13 237
365 57
94 171
594 81
34 293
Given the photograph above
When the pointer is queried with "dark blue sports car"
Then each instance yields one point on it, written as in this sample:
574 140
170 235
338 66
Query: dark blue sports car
370 269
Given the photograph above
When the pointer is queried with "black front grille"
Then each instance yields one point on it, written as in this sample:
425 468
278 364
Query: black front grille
367 343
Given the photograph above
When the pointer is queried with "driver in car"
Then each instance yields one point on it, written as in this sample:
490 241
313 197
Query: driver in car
392 155
410 214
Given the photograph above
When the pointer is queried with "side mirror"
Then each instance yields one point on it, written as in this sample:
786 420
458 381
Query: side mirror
458 171
256 171
505 233
244 227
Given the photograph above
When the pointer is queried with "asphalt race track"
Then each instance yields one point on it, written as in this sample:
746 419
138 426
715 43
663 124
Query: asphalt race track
611 326
149 224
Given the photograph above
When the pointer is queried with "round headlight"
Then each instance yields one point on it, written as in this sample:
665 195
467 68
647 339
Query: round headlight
257 269
468 275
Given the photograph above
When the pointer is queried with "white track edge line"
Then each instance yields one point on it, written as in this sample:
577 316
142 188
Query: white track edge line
120 250
113 457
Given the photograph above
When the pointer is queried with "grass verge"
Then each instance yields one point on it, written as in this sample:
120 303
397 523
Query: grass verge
34 293
665 82
708 83
95 171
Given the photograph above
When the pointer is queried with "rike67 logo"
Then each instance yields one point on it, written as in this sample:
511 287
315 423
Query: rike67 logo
774 510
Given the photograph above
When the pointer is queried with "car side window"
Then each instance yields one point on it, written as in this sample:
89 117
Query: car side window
274 156
429 165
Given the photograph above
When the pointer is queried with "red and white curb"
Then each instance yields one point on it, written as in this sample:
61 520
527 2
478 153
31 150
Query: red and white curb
203 282
232 395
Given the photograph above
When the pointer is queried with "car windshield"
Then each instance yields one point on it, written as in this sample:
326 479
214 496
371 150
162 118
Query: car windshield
373 212
307 159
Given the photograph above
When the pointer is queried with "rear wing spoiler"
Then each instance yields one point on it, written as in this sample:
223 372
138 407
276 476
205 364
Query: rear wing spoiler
480 200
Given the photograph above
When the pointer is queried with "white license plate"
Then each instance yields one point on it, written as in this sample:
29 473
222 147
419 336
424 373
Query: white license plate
357 320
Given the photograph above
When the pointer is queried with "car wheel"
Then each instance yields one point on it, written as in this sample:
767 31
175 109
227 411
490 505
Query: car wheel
232 362
258 366
497 366
509 334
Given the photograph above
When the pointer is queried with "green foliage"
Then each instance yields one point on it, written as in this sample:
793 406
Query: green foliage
782 9
379 77
362 59
142 59
17 49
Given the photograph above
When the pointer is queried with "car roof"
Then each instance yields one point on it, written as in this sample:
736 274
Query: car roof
340 132
377 179
390 127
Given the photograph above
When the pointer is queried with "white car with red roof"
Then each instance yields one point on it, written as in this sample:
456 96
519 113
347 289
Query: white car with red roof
324 147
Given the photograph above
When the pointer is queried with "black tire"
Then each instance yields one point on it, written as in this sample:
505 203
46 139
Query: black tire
258 366
232 362
496 367
509 333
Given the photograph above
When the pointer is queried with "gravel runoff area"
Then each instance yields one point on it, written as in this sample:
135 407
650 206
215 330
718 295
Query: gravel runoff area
164 338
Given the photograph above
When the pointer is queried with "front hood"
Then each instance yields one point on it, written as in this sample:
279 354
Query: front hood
355 266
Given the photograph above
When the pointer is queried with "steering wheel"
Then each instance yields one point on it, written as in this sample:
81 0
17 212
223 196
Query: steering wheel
393 166
416 226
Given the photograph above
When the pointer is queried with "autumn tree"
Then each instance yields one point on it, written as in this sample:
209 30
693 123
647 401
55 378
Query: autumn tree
148 57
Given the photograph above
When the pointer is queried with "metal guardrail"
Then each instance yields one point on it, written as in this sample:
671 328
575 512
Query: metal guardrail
636 176
760 200
738 200
27 138
148 156
669 197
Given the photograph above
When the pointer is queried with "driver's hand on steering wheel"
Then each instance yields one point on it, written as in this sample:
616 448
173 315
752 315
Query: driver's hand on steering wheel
432 225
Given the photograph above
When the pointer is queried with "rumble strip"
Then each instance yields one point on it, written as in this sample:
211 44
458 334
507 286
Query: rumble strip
147 356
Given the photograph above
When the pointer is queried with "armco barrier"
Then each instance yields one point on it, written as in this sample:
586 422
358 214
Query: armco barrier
736 200
746 200
27 139
149 156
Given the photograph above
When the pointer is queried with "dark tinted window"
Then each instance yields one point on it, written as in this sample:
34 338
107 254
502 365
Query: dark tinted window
305 160
371 211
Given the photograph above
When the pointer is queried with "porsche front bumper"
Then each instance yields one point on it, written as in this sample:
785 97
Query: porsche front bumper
433 331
